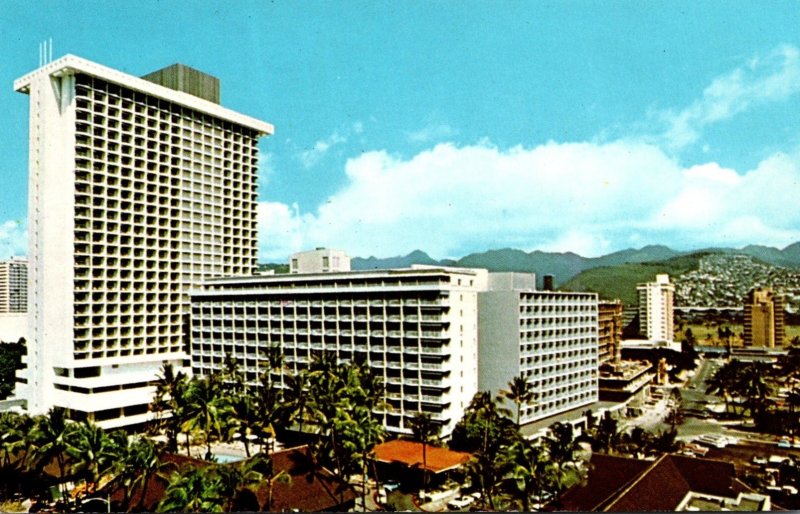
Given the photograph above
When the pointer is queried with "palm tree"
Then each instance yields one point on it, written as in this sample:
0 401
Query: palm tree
14 431
752 385
49 441
193 490
520 392
206 409
136 463
169 403
244 419
92 451
524 463
235 478
425 430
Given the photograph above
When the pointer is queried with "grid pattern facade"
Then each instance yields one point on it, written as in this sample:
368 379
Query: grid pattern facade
13 286
416 330
137 193
165 196
558 351
763 319
609 334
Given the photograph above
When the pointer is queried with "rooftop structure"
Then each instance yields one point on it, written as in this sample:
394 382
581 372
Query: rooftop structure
137 192
321 260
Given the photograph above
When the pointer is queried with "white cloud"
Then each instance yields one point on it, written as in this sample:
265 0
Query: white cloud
313 155
581 197
13 239
771 78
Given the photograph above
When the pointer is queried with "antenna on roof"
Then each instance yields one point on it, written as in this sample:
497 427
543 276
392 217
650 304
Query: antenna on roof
45 52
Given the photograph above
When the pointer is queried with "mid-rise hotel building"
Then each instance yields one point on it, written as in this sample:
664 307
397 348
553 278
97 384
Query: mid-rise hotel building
548 337
656 316
763 318
416 328
13 286
139 188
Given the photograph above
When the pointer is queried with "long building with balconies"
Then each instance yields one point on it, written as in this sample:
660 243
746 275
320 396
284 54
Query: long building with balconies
547 337
416 328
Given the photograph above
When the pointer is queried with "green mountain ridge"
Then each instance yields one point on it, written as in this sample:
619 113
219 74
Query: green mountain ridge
568 265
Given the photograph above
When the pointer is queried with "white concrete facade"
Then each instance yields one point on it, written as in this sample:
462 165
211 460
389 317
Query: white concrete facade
548 337
321 260
14 285
656 316
137 192
417 328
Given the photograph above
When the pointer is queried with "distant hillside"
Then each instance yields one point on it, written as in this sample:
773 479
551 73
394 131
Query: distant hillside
620 281
567 266
415 257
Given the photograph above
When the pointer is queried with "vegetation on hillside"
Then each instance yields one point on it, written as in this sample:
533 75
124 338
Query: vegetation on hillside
620 281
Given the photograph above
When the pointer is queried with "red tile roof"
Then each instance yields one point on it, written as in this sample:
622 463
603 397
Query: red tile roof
409 453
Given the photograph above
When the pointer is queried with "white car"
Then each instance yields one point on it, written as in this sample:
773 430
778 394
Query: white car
461 502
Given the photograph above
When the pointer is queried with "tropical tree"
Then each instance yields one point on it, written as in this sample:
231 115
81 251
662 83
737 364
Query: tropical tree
525 465
723 383
520 392
14 441
425 430
92 453
169 404
206 409
193 490
137 461
49 438
606 436
484 431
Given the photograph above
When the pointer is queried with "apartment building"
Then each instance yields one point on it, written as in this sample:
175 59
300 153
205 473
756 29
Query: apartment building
609 326
763 318
417 328
14 286
139 188
548 337
656 318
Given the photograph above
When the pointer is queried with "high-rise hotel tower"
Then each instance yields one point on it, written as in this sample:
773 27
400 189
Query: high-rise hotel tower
139 188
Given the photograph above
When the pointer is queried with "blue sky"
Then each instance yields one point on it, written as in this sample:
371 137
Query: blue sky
456 127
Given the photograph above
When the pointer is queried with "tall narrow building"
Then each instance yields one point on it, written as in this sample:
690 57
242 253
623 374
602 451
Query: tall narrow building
763 318
139 188
14 286
656 317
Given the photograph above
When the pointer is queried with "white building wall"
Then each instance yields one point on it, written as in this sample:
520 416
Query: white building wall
417 329
136 193
656 315
321 260
550 338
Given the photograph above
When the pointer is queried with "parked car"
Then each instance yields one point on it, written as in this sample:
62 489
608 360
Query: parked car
783 443
391 485
759 460
462 502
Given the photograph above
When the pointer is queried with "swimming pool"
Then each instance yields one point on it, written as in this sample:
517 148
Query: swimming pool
224 458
